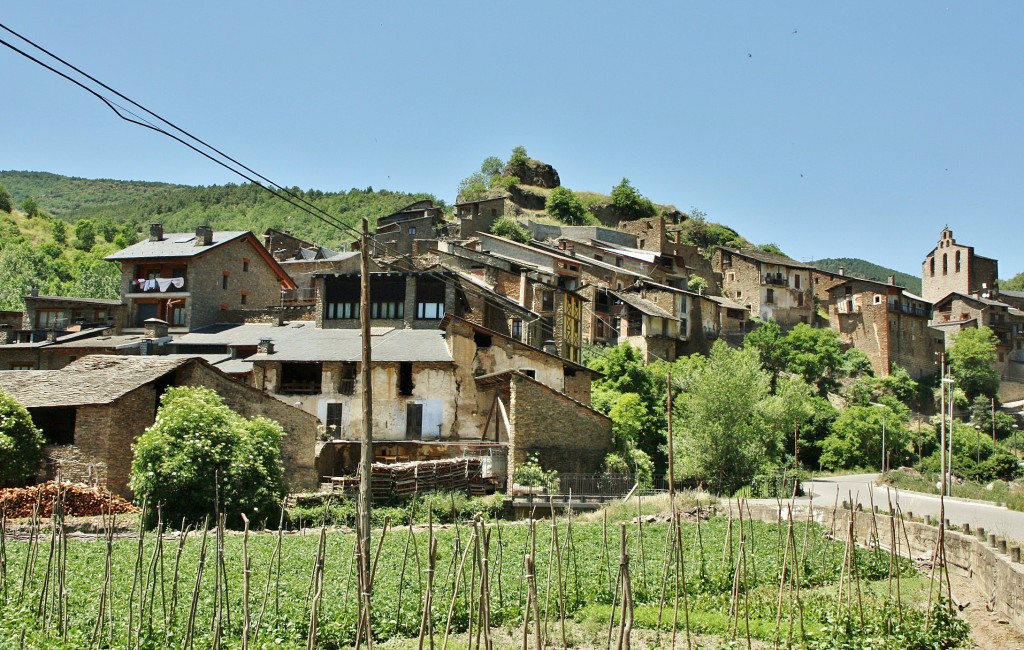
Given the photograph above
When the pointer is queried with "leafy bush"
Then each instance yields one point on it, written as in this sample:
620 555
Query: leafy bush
199 453
564 205
6 202
510 229
630 202
634 462
531 474
446 507
21 443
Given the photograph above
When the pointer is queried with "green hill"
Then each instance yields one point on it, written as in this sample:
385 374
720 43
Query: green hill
859 268
181 207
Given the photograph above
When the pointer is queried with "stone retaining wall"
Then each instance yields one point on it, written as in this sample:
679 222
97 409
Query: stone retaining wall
987 561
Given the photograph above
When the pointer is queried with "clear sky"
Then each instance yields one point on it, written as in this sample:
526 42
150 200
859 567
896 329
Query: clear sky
833 129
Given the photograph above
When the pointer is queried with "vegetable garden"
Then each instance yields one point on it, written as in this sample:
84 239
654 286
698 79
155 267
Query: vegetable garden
683 580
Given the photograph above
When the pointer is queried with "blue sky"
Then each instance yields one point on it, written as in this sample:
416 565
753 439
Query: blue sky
832 129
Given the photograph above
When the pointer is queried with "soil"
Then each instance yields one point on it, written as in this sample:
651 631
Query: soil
989 629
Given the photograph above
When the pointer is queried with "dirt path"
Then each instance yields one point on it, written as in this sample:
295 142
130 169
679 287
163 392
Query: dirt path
989 630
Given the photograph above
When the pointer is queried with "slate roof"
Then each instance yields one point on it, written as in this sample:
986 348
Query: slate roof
176 244
766 257
88 301
95 379
1012 294
644 305
728 304
303 341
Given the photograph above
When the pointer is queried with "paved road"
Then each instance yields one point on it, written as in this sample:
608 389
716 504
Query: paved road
994 519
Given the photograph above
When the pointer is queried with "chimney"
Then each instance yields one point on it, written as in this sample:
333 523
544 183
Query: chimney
156 231
34 291
145 347
266 346
279 317
892 280
842 270
6 334
204 235
155 328
550 347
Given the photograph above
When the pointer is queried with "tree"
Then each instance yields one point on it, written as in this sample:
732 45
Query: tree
60 231
519 156
1016 283
815 354
564 205
970 360
631 203
30 207
772 248
85 235
199 452
856 439
697 283
6 201
721 439
510 229
767 341
21 443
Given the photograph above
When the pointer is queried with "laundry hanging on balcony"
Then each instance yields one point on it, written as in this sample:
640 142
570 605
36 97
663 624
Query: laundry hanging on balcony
163 284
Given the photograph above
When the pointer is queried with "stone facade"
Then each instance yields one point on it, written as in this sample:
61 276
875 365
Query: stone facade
566 435
222 277
951 267
71 314
772 286
478 216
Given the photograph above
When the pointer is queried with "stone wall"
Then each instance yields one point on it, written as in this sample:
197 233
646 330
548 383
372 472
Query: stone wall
299 446
104 434
208 297
967 555
566 435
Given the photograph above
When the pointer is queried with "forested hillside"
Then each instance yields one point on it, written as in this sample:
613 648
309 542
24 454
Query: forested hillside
110 204
859 268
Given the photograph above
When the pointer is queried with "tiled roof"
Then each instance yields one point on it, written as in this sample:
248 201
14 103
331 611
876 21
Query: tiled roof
303 341
95 379
644 305
179 244
766 257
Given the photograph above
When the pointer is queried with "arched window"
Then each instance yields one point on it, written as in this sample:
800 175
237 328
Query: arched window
956 262
931 263
945 263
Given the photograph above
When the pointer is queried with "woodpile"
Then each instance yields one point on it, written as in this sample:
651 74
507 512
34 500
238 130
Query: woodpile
404 480
78 500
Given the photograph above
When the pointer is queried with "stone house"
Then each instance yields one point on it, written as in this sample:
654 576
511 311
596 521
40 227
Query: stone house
93 410
958 311
516 298
193 280
887 323
477 217
65 314
399 299
951 267
773 286
400 233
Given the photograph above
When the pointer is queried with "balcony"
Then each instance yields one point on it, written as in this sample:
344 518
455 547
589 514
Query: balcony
776 279
303 295
158 285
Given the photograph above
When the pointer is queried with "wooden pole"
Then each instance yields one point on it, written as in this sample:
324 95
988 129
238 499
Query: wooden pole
366 446
671 449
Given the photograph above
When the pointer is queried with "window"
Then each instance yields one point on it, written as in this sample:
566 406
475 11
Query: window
244 297
796 281
412 230
547 300
405 384
770 299
413 421
482 340
101 315
22 365
635 323
178 315
945 263
301 378
245 265
334 411
517 329
878 299
388 297
931 263
430 294
347 380
343 310
956 262
224 281
529 372
387 309
800 299
47 318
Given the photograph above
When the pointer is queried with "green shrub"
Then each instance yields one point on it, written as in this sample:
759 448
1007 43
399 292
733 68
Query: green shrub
510 229
199 453
531 474
21 443
631 203
564 205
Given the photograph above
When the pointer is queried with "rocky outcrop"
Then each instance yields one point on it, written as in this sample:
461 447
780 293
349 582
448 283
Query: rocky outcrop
528 198
533 172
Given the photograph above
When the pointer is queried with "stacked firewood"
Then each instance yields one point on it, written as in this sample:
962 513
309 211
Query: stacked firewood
77 500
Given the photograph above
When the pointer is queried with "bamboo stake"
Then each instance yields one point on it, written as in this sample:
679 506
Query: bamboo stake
681 582
318 577
427 619
195 591
455 593
246 571
270 572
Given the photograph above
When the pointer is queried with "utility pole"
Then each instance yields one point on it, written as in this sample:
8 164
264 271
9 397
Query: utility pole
942 422
366 443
